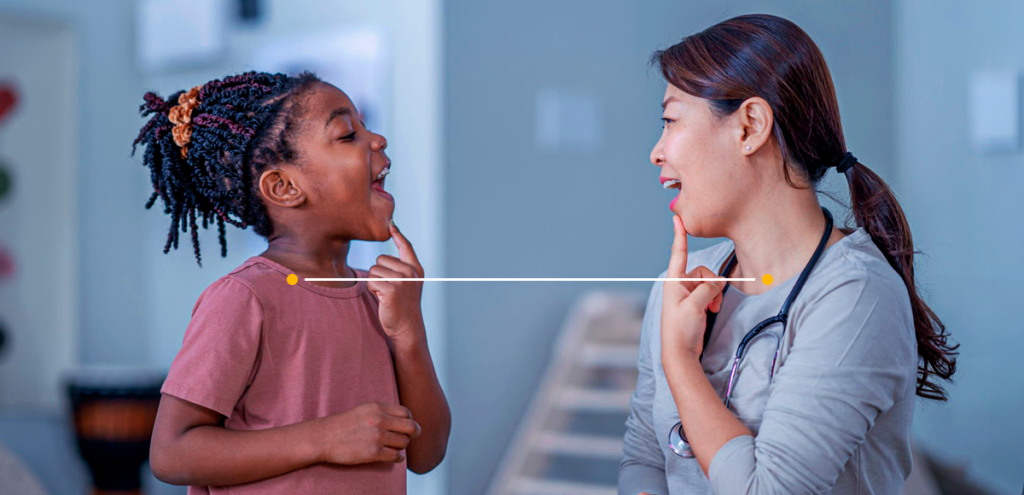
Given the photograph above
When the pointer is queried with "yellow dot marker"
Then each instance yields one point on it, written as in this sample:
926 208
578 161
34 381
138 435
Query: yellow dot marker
293 279
767 279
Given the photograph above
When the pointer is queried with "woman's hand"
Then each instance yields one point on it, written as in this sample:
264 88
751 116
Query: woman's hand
682 312
399 311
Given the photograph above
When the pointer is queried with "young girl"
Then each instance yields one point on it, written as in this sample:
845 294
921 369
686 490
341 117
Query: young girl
281 385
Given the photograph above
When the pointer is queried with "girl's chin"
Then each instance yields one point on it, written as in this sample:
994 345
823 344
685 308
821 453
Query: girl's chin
381 235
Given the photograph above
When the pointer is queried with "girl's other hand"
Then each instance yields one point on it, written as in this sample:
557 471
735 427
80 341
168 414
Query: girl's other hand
399 310
370 432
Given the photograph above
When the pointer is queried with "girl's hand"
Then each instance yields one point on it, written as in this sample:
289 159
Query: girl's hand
399 310
682 312
371 432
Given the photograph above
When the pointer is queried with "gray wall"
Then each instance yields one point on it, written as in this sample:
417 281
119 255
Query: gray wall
965 209
516 211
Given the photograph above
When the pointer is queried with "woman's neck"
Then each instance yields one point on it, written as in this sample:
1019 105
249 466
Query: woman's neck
777 237
327 259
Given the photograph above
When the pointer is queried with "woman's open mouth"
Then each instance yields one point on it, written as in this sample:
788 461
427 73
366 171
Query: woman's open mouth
378 184
672 184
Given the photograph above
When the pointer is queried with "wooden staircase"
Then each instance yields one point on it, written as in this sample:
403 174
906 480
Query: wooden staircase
570 441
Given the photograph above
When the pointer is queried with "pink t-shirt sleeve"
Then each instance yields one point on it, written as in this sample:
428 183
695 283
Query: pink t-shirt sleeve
221 351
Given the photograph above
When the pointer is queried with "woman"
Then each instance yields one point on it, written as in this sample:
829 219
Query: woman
822 396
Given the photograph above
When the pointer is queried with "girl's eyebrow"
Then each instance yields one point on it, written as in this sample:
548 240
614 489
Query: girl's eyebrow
338 112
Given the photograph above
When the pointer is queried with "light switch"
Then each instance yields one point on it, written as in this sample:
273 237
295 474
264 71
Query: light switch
995 111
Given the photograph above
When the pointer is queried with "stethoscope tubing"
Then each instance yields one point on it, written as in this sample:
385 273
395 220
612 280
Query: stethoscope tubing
758 330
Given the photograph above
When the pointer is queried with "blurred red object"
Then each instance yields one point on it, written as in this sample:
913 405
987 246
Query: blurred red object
8 99
6 264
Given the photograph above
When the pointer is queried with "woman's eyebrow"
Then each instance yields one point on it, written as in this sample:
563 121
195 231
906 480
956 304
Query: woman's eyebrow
668 100
338 112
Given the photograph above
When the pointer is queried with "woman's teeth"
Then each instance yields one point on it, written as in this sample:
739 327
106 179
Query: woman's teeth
383 173
671 184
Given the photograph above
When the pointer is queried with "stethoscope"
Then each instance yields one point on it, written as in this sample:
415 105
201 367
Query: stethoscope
676 439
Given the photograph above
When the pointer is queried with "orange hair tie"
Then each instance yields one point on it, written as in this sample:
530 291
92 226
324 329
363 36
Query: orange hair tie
181 116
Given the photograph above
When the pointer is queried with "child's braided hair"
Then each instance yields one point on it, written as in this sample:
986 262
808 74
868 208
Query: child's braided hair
207 147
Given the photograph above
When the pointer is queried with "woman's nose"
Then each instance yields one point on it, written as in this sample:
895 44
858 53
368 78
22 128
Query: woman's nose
657 157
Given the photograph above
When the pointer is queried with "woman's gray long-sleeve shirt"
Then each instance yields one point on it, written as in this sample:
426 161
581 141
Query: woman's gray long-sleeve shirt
837 416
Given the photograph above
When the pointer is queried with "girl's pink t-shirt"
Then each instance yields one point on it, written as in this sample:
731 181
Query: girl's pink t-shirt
265 353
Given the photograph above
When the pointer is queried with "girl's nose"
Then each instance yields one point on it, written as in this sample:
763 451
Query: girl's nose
380 143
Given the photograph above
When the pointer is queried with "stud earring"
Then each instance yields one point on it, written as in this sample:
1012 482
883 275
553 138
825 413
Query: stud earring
748 147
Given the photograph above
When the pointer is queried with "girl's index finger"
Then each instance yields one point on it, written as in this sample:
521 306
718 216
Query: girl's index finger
405 251
677 263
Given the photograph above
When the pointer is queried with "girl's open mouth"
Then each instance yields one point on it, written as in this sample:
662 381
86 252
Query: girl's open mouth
378 184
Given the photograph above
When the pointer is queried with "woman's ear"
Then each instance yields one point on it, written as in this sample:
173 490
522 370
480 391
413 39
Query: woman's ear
755 123
280 188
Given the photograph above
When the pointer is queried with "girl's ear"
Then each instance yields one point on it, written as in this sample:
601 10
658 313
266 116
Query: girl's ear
281 188
755 124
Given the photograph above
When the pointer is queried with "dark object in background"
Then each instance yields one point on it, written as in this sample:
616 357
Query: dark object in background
5 181
951 478
932 476
249 10
3 339
113 412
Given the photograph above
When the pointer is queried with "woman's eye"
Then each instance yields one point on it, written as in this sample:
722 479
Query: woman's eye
665 121
348 137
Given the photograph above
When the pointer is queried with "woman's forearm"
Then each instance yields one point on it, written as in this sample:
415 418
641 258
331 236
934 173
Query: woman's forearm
216 456
708 424
420 391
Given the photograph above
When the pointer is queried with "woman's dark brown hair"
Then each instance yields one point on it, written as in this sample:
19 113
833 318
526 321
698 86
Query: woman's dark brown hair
772 58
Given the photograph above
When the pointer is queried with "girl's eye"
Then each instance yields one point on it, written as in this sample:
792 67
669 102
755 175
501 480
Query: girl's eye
665 121
348 137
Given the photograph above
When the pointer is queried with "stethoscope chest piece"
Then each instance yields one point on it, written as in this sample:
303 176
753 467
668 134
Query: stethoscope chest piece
678 444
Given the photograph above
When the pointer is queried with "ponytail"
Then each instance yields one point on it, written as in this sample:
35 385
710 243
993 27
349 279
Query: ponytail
876 210
204 147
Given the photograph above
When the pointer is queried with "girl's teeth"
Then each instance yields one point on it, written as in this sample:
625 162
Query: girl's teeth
669 184
383 173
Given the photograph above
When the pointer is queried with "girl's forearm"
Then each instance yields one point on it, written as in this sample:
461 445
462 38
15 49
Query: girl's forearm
216 456
707 422
420 391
